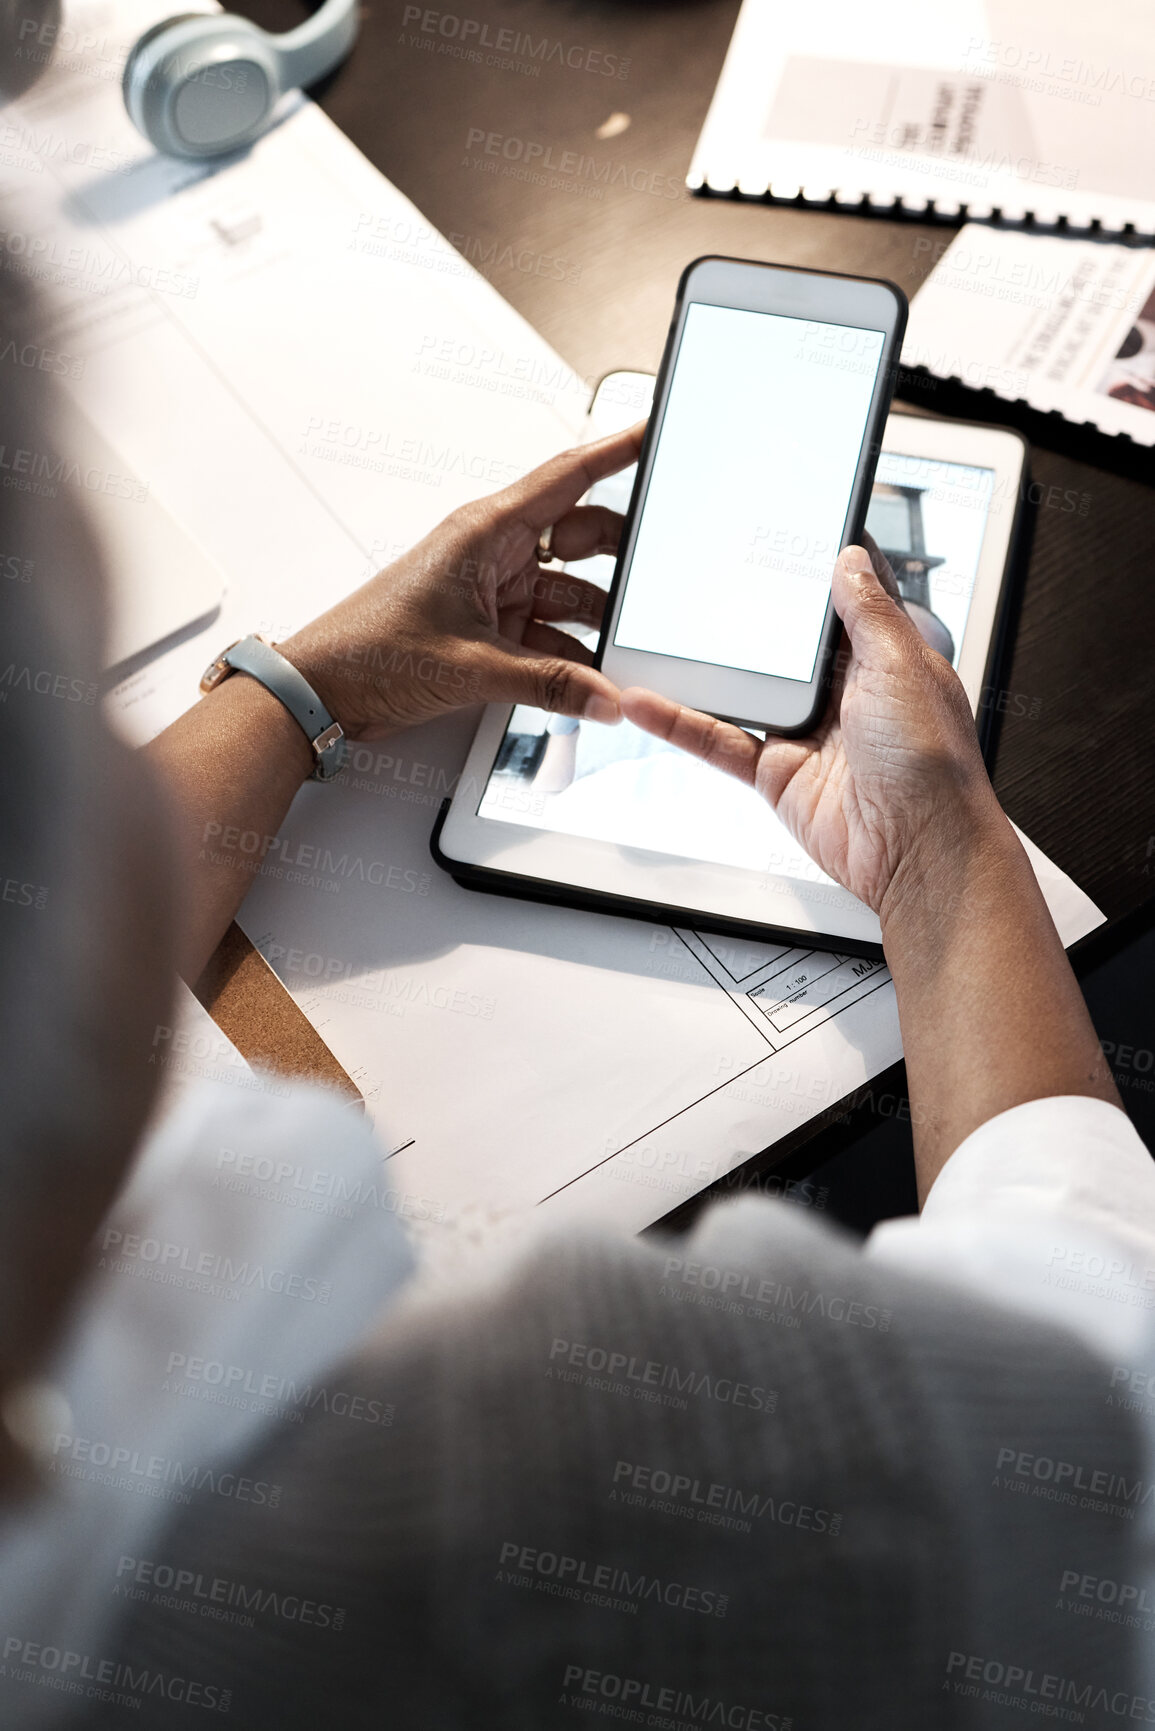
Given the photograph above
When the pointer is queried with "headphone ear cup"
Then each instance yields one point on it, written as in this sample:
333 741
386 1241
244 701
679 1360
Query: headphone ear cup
202 84
128 77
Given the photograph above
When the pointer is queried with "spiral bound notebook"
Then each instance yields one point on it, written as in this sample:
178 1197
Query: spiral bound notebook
1056 324
1012 109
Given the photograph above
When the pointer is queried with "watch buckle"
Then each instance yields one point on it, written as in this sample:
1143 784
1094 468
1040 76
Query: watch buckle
214 673
219 668
324 741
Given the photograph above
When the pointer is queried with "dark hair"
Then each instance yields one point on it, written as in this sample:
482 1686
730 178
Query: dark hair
58 848
28 32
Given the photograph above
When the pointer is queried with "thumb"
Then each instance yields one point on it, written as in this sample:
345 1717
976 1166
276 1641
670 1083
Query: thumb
553 682
876 622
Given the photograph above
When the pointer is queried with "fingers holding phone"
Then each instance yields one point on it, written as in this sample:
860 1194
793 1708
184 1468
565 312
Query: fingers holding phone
895 758
479 611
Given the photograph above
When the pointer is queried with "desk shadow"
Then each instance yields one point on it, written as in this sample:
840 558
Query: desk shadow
119 671
108 199
104 200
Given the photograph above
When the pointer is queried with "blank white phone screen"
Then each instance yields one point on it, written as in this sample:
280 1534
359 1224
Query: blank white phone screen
749 490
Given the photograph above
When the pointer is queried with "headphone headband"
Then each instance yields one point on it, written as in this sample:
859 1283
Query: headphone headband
315 47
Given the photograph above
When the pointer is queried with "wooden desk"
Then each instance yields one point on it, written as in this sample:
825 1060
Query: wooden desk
592 261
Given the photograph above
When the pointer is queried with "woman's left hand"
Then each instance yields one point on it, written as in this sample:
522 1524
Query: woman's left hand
469 615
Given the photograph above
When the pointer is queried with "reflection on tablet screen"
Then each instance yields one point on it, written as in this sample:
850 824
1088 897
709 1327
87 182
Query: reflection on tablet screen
620 785
929 518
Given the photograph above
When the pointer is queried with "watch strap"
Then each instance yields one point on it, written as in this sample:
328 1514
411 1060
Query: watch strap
252 655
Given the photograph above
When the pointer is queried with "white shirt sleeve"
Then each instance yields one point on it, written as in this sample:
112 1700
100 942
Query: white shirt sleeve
257 1240
1049 1206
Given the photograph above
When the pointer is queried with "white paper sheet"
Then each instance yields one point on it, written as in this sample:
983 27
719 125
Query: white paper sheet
1061 324
304 371
996 107
329 381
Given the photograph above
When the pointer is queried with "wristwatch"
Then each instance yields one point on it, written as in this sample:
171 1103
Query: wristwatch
257 657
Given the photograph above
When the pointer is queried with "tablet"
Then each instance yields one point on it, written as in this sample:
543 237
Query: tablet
612 819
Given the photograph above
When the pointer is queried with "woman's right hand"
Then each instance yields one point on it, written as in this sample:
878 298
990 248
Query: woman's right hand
892 776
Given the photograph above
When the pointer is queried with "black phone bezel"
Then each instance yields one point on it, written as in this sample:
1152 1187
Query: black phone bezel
860 493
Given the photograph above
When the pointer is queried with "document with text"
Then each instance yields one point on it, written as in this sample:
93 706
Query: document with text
999 108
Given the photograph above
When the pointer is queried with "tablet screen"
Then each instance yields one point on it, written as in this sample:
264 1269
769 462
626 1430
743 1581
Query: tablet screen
619 785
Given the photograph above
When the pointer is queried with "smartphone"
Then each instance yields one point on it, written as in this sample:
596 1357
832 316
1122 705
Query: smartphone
756 470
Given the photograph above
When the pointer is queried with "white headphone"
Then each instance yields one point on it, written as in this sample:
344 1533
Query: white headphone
202 84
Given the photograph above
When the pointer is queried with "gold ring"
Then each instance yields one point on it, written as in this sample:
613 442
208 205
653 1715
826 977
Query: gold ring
545 545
